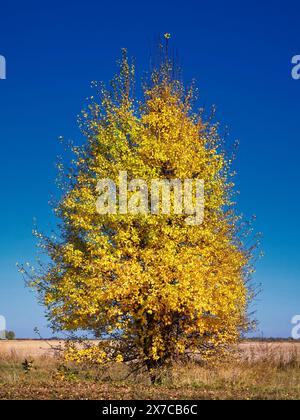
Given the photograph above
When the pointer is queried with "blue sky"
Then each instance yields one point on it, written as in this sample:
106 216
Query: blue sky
240 54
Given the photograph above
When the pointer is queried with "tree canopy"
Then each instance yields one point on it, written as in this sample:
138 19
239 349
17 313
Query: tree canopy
158 287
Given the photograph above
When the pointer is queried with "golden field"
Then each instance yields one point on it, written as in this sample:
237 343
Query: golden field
257 370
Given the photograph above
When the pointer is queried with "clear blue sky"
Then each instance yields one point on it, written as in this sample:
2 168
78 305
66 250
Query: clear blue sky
240 54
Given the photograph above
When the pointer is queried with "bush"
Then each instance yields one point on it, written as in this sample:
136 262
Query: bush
10 335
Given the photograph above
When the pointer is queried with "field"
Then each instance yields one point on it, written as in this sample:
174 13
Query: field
32 369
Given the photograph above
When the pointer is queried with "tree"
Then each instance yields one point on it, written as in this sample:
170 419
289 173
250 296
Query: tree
159 288
10 335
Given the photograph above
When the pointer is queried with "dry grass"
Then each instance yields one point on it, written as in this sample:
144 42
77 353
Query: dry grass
261 371
29 348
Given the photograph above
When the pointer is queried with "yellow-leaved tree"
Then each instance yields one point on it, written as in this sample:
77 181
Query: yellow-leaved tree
151 287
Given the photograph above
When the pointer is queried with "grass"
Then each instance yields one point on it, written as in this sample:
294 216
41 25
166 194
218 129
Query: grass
261 371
